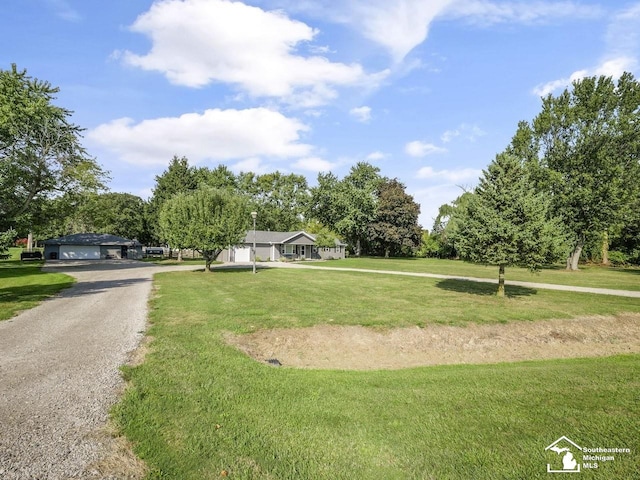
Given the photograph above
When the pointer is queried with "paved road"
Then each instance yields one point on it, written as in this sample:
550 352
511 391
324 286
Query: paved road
59 368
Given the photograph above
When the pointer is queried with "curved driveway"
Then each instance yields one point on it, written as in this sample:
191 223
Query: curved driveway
59 368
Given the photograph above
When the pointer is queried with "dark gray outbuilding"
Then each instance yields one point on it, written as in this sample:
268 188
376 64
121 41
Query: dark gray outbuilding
91 246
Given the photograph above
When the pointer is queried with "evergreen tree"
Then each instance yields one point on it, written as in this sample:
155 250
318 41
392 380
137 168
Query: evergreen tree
507 222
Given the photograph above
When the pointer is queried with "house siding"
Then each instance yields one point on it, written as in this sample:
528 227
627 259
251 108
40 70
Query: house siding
271 246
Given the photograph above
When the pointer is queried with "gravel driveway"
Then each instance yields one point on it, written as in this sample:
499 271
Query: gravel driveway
59 368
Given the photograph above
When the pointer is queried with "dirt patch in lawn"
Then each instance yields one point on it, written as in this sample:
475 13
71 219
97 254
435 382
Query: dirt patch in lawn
362 348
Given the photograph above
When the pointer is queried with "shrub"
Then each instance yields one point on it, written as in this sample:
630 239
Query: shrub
618 259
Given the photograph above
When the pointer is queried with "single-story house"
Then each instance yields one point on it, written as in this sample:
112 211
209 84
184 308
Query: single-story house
91 246
273 246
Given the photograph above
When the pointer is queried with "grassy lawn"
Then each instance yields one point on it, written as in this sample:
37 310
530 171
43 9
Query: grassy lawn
587 276
197 407
23 285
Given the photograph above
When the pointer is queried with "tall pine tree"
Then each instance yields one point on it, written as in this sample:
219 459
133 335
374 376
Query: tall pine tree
507 222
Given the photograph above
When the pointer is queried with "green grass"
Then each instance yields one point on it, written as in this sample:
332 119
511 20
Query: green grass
23 285
588 276
197 406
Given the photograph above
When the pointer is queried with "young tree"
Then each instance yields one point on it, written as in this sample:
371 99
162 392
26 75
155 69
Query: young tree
582 149
395 223
40 151
324 236
206 220
174 221
507 222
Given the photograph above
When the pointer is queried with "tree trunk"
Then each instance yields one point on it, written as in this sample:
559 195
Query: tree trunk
358 248
180 255
30 242
386 252
500 292
605 248
574 258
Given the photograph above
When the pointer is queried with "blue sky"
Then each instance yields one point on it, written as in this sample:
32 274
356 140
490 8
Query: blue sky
427 90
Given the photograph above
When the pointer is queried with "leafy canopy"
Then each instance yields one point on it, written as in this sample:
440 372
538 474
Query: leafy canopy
41 155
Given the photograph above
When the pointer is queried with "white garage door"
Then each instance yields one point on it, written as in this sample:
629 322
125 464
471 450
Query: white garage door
79 252
242 254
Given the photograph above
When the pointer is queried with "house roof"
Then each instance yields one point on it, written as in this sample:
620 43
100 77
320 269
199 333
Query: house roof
92 239
263 236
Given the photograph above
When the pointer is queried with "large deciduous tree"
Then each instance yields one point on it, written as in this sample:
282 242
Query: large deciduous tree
395 223
280 200
348 206
583 150
41 155
207 220
507 222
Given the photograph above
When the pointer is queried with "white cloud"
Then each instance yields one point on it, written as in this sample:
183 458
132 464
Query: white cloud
253 164
401 25
614 67
622 44
623 35
398 26
64 10
362 114
313 164
377 155
451 176
468 132
197 42
215 134
422 149
530 12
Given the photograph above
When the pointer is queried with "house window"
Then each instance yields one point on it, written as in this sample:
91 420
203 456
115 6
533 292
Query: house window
288 249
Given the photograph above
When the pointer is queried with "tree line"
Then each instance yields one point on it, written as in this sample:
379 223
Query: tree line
566 187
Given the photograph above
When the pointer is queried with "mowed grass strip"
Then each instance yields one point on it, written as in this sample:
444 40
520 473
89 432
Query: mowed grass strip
23 285
197 406
616 278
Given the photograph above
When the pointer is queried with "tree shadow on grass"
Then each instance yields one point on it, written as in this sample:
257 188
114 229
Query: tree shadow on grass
484 288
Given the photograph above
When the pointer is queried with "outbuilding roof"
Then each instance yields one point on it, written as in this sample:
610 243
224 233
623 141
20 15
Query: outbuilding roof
92 239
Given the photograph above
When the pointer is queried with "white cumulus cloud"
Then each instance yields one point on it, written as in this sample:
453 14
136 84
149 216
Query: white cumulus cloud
198 42
422 149
213 135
